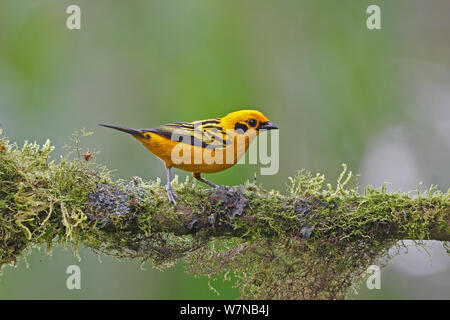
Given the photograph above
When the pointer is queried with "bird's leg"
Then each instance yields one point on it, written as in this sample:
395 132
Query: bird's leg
199 178
170 194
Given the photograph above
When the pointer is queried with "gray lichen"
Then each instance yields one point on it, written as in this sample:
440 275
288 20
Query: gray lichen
107 202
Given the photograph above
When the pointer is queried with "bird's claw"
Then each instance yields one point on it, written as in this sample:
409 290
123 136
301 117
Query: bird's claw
172 196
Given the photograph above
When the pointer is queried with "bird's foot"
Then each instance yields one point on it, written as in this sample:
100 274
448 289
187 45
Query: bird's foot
171 195
198 177
212 185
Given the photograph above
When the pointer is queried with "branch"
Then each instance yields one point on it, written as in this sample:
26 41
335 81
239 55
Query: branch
313 242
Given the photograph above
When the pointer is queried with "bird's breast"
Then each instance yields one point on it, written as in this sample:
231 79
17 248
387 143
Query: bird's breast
195 158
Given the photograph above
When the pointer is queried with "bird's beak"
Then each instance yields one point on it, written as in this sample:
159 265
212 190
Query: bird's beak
267 126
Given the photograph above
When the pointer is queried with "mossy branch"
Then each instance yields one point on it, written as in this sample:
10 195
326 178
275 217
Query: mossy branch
314 241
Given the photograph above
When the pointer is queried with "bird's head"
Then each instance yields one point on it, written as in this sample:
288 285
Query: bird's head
243 120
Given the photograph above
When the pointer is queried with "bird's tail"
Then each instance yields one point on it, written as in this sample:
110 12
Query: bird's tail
134 132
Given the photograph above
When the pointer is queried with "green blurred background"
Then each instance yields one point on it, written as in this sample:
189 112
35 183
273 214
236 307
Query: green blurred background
378 100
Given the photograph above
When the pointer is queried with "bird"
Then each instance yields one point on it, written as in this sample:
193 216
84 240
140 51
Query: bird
204 146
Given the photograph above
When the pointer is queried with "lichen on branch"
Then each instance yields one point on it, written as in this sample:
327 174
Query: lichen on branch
314 241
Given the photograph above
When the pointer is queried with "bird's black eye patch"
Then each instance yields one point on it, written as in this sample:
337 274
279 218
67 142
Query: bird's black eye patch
240 128
252 123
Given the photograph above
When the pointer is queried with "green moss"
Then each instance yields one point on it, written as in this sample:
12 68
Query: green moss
350 233
316 241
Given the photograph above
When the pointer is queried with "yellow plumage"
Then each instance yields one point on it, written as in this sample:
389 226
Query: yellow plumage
204 146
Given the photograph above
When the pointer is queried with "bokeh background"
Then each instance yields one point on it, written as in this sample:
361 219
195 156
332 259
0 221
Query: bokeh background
378 100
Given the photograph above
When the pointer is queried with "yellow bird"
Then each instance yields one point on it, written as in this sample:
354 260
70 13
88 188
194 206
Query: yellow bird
203 146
